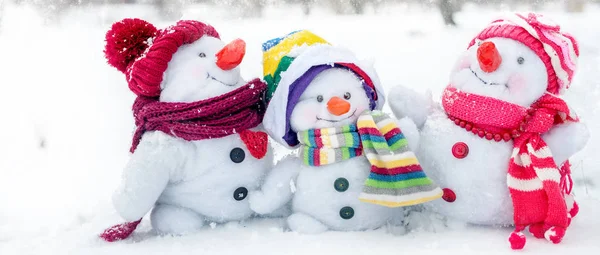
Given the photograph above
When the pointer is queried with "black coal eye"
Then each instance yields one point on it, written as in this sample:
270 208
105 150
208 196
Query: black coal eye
237 155
479 43
319 98
520 60
347 95
202 55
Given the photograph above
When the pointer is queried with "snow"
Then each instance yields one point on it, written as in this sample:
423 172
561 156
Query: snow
58 91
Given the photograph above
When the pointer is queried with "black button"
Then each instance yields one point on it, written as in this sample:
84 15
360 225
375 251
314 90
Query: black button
341 184
240 193
237 155
347 213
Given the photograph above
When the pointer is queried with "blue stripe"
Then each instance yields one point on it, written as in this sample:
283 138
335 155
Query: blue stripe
311 159
355 140
352 152
395 138
312 139
373 138
398 177
270 43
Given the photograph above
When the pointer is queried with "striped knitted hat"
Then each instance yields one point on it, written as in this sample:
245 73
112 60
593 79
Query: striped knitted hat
291 62
557 50
277 55
140 51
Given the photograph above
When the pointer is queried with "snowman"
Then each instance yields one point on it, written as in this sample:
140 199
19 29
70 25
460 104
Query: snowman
316 93
499 143
197 152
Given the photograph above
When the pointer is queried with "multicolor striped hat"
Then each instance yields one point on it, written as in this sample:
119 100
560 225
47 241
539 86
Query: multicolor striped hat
558 50
277 55
291 62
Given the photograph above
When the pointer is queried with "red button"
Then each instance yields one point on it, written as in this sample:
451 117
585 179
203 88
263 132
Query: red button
449 195
460 150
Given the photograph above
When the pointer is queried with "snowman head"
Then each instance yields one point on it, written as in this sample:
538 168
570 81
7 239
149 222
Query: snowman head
186 62
336 97
517 59
313 85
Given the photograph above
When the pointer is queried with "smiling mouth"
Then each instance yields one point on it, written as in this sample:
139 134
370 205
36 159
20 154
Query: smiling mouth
351 115
213 78
485 82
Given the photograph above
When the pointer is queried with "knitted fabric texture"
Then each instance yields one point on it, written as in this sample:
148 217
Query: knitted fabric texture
142 53
215 117
396 177
537 185
557 50
329 145
276 59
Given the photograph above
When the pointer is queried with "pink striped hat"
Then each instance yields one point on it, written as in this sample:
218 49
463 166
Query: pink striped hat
558 50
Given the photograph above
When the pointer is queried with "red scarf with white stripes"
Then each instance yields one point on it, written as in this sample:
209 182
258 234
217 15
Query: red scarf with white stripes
537 185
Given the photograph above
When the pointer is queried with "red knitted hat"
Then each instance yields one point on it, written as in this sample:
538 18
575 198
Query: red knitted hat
140 51
557 50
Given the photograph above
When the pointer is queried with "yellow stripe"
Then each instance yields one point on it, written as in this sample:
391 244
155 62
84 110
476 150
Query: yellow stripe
393 164
325 140
323 157
272 56
388 128
366 123
398 204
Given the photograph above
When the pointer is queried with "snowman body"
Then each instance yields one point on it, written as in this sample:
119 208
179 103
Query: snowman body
215 179
473 169
189 183
329 194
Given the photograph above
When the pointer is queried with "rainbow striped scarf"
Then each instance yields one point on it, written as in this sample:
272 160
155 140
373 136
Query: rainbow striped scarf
329 145
396 177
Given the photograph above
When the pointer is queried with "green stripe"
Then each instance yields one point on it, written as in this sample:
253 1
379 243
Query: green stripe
398 184
306 152
348 139
399 144
306 138
375 145
273 82
345 153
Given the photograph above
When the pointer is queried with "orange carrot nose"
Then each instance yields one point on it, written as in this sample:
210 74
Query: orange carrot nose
231 55
338 106
489 57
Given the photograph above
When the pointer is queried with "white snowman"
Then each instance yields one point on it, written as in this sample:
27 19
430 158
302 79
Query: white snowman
480 143
318 92
197 151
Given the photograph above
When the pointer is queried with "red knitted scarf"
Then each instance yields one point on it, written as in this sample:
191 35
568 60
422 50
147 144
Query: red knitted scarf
537 185
215 117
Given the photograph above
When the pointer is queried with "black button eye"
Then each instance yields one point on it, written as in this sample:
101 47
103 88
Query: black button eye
347 95
237 155
202 55
319 98
520 60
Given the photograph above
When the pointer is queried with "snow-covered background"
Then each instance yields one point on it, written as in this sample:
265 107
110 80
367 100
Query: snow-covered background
66 125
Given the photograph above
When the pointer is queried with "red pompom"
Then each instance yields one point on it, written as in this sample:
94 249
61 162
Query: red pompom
517 240
126 41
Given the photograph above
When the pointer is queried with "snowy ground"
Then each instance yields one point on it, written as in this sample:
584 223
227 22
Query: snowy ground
58 91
